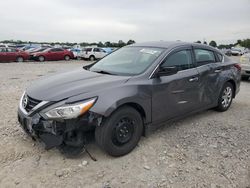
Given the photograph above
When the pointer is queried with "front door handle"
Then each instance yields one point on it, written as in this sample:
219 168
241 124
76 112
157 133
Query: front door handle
218 70
194 79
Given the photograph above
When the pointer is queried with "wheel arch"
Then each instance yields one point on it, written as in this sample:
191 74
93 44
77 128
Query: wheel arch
234 86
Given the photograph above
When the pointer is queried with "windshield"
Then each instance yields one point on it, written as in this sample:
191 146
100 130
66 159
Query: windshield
128 61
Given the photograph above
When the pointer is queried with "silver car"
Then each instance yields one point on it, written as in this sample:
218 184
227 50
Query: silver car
245 64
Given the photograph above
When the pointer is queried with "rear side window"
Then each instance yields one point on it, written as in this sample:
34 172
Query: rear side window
182 60
11 50
88 49
204 56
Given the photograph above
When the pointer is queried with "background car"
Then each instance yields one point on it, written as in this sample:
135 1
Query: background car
53 54
237 51
245 66
93 53
226 52
11 54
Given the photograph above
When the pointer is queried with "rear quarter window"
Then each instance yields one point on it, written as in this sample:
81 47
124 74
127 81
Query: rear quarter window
220 57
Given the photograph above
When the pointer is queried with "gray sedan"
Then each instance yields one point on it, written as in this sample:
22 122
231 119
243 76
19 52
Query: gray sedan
127 94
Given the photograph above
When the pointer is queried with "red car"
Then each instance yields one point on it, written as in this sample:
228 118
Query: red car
53 54
11 54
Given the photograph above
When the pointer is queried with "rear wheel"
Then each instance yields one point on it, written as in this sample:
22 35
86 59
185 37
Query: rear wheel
120 133
20 59
41 58
67 58
92 58
226 97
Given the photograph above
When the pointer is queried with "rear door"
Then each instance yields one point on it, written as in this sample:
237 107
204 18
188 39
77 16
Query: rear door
11 54
3 55
210 70
56 54
175 95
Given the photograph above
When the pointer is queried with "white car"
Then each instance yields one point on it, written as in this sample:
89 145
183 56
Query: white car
93 53
237 51
245 66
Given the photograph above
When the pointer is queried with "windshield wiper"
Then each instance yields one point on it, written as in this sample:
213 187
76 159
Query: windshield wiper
104 72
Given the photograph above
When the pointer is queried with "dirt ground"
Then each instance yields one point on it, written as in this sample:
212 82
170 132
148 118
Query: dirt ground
209 149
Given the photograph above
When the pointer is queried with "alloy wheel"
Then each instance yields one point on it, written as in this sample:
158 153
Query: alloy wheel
226 97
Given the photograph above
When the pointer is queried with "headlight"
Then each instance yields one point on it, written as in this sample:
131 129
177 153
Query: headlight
70 111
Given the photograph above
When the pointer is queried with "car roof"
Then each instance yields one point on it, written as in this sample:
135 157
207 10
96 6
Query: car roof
161 44
172 44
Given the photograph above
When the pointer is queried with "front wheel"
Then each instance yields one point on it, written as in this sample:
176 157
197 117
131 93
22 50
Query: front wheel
67 58
92 58
120 133
225 98
41 58
20 59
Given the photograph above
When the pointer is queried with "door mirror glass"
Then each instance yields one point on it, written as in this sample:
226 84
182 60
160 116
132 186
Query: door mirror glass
166 71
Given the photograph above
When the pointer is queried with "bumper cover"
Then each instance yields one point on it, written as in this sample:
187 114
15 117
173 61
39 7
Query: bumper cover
54 133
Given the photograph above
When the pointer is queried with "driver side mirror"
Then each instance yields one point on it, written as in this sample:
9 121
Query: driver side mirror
166 71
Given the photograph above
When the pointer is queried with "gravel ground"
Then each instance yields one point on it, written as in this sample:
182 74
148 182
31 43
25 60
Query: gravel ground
209 149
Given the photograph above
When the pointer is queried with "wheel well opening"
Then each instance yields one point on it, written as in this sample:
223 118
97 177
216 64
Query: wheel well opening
234 86
141 111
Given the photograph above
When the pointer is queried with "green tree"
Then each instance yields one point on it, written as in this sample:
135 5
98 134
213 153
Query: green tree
212 43
107 44
205 42
100 44
130 42
198 41
121 43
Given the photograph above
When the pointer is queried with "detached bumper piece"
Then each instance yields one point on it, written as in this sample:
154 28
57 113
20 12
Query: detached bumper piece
57 133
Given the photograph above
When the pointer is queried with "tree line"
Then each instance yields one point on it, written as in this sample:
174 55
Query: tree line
118 44
244 43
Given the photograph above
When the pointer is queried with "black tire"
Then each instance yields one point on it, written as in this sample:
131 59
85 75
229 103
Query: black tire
226 97
66 58
41 58
19 59
120 133
92 58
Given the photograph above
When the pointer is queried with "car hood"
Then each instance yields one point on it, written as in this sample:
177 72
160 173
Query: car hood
68 84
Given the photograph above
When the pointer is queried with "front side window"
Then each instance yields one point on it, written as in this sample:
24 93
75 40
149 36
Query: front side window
182 60
128 60
220 57
203 56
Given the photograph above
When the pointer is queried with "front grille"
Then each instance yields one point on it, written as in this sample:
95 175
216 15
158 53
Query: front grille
31 103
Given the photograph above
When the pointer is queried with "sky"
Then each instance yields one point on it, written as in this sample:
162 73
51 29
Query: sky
224 21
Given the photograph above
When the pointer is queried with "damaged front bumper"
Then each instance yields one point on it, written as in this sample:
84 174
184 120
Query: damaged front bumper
54 133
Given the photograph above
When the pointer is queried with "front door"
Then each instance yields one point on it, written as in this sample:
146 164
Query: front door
176 94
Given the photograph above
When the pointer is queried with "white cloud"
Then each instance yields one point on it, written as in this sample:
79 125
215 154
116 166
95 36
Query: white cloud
110 20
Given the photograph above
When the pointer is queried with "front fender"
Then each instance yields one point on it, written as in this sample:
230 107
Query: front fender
111 99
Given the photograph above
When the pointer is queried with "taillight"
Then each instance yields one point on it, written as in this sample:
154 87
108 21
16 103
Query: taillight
237 65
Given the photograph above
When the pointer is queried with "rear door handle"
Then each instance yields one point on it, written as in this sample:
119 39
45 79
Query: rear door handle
218 70
194 79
